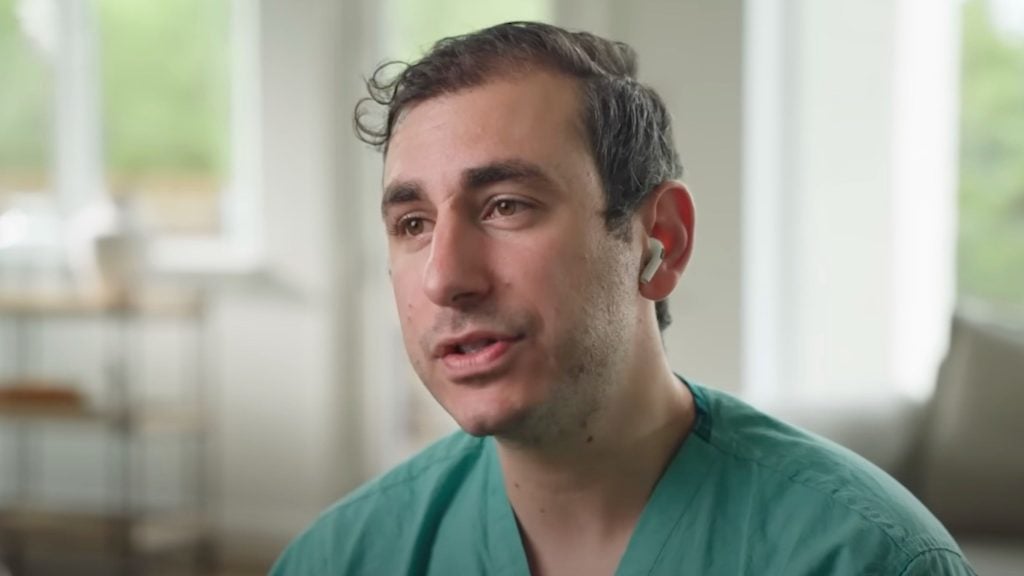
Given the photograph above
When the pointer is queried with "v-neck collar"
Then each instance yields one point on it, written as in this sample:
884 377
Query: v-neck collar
672 496
504 544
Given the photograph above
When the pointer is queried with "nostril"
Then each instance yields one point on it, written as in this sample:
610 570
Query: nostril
464 297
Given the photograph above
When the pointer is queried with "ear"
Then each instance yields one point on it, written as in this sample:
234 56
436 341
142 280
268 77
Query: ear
668 215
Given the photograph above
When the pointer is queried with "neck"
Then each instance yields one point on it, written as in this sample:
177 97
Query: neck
593 485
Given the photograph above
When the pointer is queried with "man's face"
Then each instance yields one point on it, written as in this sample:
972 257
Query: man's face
517 306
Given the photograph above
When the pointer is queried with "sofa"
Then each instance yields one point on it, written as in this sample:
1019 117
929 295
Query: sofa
962 451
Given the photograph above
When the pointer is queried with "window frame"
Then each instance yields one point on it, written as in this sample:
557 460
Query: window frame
237 247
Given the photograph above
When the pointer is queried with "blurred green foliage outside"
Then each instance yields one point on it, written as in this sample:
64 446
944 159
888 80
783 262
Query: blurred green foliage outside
991 241
163 83
26 95
420 24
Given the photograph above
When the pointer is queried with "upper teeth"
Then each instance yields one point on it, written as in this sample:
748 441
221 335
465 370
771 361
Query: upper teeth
473 346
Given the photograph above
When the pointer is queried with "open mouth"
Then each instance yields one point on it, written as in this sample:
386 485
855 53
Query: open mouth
472 347
478 347
475 355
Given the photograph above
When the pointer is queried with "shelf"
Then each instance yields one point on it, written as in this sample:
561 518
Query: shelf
151 302
122 414
149 533
144 419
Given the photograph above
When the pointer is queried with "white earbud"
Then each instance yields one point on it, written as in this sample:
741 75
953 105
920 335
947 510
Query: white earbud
657 254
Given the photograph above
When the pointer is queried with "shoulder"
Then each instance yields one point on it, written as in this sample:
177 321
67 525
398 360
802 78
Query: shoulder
376 526
821 492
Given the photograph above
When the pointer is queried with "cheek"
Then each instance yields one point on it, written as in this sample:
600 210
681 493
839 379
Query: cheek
407 301
549 277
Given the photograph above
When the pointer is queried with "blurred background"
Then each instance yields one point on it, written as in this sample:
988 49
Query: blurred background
198 347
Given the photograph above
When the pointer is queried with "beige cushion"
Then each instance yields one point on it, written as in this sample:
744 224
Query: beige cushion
971 466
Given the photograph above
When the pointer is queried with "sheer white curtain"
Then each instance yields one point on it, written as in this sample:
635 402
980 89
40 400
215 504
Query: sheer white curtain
849 195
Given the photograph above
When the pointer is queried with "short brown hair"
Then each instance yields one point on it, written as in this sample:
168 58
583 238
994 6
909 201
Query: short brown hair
626 122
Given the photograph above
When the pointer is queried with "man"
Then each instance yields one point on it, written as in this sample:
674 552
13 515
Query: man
536 225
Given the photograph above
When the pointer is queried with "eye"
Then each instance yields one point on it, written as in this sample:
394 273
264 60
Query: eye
411 226
505 207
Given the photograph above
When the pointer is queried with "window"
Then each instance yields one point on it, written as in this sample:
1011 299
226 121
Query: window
420 24
164 84
26 94
990 248
849 200
153 103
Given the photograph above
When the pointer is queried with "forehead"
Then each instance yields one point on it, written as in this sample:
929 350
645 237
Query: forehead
531 117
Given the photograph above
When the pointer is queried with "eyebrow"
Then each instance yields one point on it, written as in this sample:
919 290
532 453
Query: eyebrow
402 192
476 178
504 171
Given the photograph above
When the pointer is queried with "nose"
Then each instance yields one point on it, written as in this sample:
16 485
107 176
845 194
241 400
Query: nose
456 273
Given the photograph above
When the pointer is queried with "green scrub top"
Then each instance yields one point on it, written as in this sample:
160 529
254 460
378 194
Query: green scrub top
745 494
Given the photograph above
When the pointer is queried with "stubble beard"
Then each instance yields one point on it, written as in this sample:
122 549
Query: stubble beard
592 361
581 392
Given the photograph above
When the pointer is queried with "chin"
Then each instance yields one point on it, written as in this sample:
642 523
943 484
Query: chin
482 418
488 424
497 408
477 430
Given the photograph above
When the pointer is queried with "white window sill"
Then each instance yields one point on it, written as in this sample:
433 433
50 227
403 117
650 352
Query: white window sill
204 256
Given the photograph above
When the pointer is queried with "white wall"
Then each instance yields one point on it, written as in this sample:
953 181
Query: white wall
840 193
288 359
851 153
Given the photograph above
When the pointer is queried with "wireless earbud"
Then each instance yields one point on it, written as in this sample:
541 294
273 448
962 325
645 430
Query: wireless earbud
657 254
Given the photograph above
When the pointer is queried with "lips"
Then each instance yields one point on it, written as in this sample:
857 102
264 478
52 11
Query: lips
470 343
475 354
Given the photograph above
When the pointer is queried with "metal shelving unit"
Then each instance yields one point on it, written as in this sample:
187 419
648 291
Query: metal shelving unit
131 532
